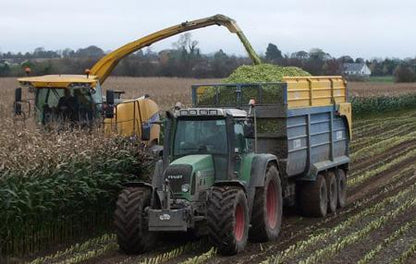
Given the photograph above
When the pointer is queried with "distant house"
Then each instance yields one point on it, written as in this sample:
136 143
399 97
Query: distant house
356 70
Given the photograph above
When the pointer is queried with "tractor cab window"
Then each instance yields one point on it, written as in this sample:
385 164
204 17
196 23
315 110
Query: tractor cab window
240 142
200 137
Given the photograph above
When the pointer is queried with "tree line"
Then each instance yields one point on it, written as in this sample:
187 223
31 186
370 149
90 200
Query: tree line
184 59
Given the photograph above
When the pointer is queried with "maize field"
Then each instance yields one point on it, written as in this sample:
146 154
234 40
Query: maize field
57 191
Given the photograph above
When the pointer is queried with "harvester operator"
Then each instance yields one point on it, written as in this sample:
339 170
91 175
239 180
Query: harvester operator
68 106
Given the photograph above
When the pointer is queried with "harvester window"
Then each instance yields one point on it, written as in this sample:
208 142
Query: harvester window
46 102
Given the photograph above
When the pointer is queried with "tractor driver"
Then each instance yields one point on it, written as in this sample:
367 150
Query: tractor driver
216 139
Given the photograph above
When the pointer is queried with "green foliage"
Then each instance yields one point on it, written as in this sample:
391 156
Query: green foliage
381 79
405 73
372 105
57 187
273 54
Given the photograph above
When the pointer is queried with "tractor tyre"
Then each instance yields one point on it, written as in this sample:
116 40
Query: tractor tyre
331 183
130 222
228 219
266 217
314 197
342 188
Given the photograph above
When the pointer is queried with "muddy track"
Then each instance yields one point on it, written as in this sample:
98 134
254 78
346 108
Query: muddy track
297 229
400 131
386 156
369 160
291 234
378 180
355 252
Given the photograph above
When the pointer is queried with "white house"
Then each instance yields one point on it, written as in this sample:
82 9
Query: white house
356 70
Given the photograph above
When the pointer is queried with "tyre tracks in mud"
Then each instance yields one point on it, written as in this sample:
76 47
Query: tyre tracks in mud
297 229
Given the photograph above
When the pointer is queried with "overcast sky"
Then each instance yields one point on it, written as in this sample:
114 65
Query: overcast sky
360 28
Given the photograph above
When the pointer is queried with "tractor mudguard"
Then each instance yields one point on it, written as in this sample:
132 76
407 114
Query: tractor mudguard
231 183
139 184
258 172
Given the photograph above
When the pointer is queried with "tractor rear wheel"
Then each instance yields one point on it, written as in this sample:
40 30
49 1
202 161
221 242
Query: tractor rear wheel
266 217
131 225
331 183
228 219
314 197
342 188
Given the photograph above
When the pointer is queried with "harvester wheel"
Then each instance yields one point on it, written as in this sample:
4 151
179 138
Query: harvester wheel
314 197
342 188
331 183
228 219
131 225
266 217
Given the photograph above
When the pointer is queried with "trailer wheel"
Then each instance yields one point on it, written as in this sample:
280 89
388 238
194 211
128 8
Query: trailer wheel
331 183
266 217
342 188
314 197
130 223
228 219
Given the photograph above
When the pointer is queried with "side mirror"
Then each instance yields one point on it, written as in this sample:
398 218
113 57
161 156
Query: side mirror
249 130
110 97
146 131
18 101
109 111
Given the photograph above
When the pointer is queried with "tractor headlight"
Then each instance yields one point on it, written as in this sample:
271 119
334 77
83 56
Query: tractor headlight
185 188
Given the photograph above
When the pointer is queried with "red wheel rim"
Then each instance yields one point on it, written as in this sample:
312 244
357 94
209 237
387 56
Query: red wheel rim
271 204
239 222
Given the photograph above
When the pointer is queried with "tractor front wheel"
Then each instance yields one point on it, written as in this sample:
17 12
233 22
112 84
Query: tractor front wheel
131 225
228 219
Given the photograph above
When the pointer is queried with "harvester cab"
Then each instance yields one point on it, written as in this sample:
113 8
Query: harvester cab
56 98
78 100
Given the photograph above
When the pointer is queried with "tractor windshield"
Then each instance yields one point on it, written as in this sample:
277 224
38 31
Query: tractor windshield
200 137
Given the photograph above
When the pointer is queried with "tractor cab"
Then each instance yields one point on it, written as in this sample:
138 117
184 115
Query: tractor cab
64 98
214 135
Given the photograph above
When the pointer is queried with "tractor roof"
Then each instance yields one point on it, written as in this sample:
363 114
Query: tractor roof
211 112
57 81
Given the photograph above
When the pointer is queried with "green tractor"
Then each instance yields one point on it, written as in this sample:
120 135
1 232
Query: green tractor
210 181
228 168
